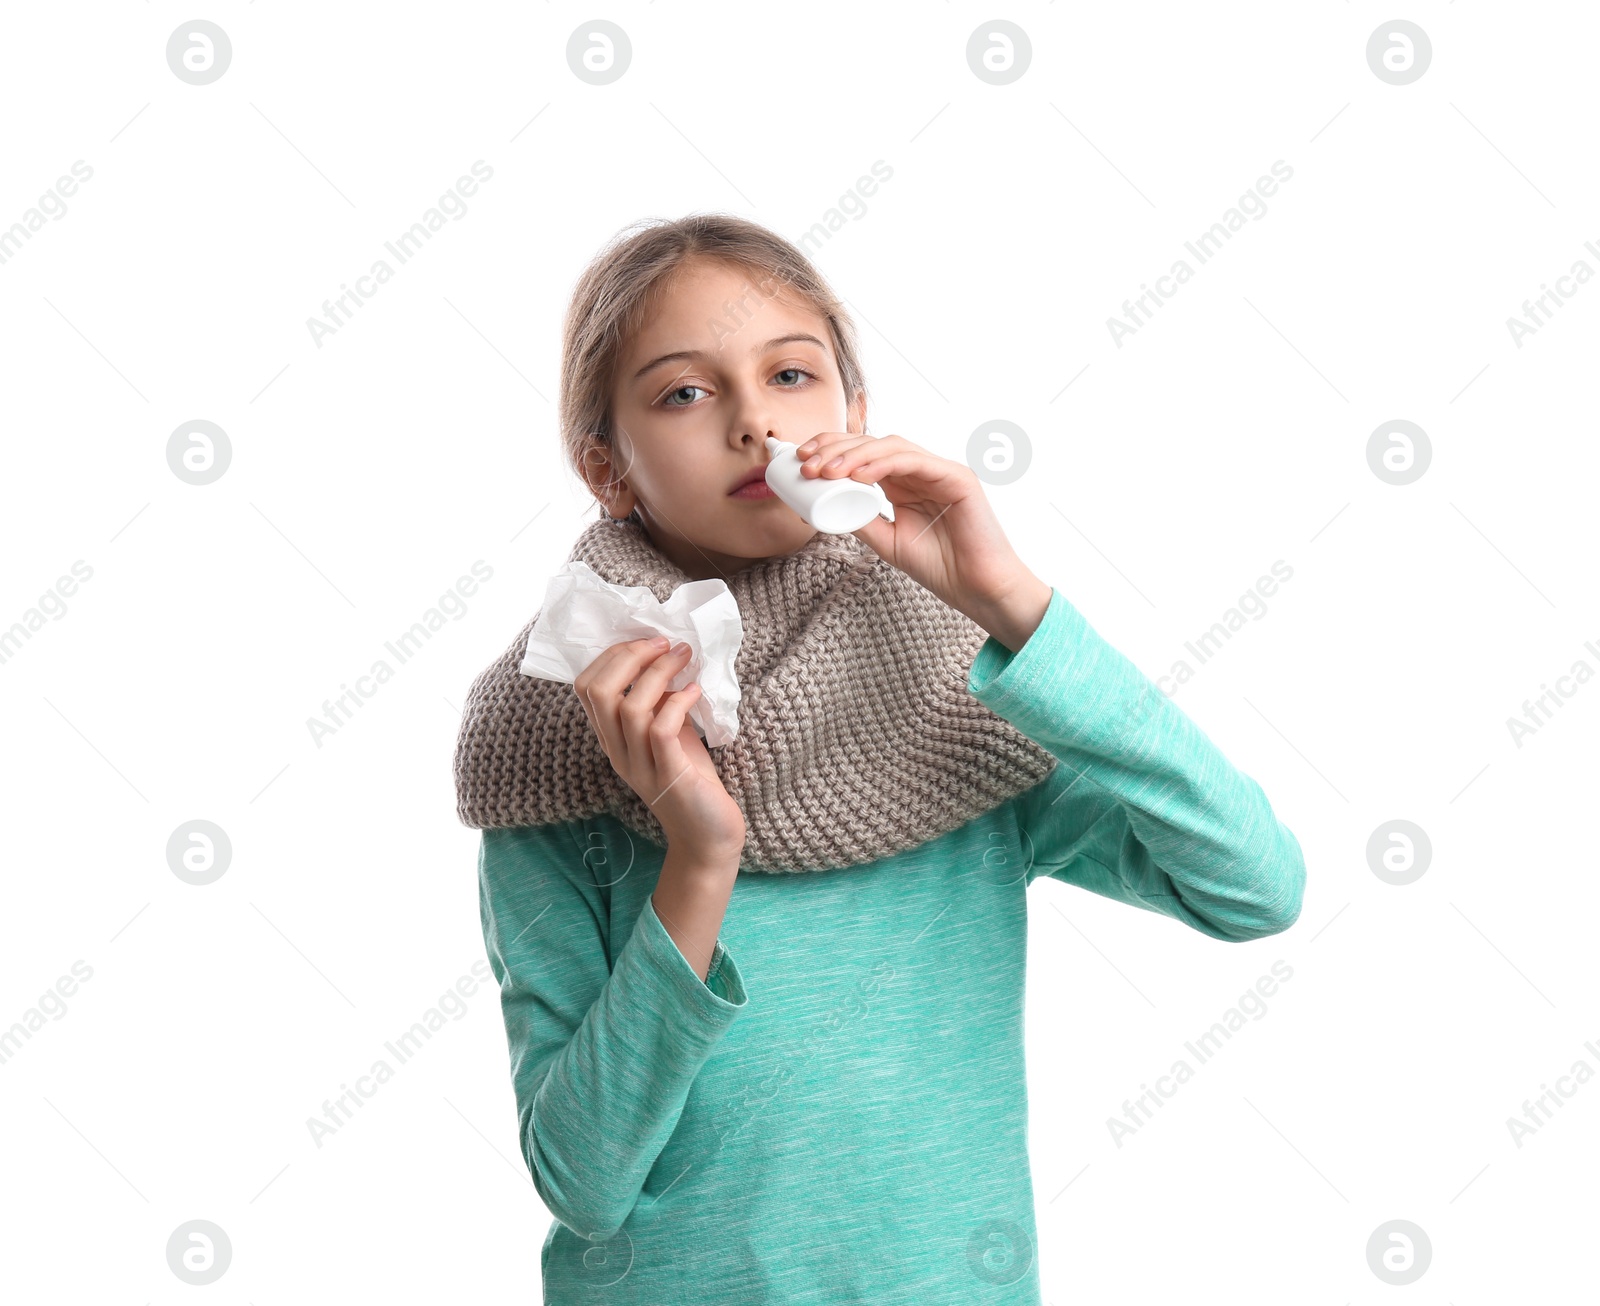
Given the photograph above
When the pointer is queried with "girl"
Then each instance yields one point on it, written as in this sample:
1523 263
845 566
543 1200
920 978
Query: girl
765 1002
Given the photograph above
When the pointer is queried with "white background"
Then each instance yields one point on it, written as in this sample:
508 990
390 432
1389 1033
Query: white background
1167 475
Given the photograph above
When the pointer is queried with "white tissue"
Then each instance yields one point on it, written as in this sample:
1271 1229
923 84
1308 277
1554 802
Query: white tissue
583 616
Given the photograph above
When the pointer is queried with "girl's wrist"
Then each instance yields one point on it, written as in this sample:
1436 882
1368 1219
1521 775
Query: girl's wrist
1013 617
693 861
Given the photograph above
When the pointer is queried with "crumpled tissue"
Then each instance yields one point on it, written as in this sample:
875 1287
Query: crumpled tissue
583 616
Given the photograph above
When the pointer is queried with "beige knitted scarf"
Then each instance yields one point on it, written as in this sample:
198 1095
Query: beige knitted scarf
857 736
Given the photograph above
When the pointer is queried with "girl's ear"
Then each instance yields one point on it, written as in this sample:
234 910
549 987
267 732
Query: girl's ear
601 476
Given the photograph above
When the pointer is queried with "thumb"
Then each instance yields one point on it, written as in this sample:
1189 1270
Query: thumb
877 535
693 748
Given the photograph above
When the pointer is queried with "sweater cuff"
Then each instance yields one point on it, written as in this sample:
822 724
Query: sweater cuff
1005 681
718 997
1066 688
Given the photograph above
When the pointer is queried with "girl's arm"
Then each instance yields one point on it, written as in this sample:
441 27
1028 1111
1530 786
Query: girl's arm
1143 808
603 1050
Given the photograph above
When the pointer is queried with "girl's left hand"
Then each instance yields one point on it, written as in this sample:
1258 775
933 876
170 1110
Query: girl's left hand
945 536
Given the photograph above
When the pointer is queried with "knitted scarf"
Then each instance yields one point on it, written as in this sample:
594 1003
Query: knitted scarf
857 736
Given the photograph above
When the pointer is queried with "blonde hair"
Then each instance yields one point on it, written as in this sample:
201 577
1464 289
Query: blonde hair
622 285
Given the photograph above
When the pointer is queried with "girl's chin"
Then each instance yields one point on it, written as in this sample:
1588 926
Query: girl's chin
764 534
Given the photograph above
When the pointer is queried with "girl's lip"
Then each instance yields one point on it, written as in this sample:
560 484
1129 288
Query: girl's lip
757 489
750 477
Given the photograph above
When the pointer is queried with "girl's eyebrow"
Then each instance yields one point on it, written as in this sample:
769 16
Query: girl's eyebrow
682 355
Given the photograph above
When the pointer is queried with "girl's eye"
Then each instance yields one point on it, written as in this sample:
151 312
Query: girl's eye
673 400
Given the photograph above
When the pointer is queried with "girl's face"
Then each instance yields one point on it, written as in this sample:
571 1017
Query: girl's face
720 365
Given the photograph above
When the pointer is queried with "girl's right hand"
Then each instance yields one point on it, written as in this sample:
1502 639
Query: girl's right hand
653 746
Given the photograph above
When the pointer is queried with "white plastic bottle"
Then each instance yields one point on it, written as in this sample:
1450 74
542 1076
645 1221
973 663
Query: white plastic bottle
834 506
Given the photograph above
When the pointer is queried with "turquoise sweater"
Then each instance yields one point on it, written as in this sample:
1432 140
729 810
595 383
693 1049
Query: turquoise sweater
838 1113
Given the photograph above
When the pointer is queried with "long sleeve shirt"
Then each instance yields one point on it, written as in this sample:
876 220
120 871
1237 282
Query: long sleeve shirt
837 1112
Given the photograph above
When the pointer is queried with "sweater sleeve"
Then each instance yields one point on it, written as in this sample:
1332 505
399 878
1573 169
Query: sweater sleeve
603 1050
1143 807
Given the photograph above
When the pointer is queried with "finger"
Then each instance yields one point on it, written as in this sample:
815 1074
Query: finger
618 666
638 709
805 448
818 463
842 462
878 534
625 651
610 740
871 449
580 687
829 442
826 452
925 474
602 684
666 733
588 712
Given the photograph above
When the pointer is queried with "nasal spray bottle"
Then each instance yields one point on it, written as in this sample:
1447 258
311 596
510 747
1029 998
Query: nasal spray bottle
833 506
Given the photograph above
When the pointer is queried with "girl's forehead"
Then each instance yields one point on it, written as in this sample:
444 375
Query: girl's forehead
730 314
736 294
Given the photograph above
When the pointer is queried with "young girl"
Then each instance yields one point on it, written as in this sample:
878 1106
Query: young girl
765 1001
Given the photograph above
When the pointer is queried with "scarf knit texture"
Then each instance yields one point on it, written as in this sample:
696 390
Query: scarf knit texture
857 736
